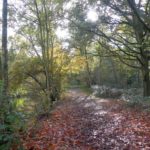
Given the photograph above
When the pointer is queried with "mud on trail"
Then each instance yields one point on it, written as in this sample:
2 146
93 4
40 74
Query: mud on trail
85 123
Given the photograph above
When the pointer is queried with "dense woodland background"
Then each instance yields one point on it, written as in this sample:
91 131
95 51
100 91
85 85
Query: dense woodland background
38 65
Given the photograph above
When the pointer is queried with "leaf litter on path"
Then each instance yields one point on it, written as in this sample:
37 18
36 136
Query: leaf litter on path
81 123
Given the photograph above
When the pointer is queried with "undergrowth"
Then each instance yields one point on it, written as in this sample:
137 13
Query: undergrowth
140 102
12 123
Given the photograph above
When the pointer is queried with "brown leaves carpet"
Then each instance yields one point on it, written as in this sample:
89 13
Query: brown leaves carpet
85 123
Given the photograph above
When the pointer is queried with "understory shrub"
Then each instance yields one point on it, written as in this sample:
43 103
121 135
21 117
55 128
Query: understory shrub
11 123
9 130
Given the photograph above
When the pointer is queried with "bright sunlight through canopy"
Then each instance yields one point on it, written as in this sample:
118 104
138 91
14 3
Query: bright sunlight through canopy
92 15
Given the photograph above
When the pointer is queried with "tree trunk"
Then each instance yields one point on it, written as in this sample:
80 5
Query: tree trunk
4 50
146 79
146 83
114 71
88 70
99 73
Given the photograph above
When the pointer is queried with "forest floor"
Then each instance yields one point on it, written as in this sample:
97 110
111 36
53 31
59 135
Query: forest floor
82 122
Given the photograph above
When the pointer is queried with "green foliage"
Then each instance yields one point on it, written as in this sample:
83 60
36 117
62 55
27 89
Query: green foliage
9 130
11 122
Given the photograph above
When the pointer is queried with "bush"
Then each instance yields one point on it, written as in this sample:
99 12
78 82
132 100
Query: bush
106 92
139 101
9 130
11 123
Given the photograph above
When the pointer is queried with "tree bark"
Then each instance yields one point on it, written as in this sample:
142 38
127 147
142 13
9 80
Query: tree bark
4 50
114 71
89 83
146 79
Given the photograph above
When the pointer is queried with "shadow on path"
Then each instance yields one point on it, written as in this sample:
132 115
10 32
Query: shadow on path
83 122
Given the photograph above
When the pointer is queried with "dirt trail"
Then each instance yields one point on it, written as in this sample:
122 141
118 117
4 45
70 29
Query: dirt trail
84 122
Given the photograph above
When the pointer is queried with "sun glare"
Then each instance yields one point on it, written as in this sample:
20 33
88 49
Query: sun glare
62 33
92 15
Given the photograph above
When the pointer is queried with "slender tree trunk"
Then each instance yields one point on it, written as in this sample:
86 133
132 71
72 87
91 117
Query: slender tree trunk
89 74
99 73
114 71
146 79
4 50
88 70
46 43
138 78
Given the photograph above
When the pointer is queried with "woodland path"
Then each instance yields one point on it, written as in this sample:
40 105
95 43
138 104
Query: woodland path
82 122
